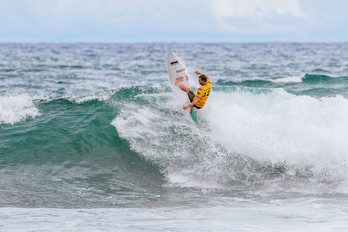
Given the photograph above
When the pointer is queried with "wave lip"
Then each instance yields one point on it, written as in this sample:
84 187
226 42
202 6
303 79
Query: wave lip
102 96
301 78
13 109
289 79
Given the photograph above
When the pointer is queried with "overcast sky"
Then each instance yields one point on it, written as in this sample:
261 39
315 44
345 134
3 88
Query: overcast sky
235 21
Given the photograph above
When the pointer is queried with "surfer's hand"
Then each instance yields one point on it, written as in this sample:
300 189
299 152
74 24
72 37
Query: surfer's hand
198 72
186 107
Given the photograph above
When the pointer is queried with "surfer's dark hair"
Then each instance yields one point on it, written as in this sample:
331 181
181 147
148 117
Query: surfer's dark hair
203 77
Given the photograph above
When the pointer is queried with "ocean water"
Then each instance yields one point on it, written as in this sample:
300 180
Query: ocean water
93 138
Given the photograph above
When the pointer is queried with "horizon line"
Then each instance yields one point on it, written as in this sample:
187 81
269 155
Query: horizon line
156 42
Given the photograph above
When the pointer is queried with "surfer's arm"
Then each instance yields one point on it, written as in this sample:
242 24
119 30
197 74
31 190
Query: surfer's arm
198 72
195 101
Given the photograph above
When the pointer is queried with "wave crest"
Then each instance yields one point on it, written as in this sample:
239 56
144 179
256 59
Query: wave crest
16 108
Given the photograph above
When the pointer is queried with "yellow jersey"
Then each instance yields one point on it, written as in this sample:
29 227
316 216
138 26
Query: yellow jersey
203 93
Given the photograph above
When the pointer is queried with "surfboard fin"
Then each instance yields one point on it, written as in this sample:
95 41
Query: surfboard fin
193 115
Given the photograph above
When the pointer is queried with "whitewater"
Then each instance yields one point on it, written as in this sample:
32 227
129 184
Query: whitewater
93 138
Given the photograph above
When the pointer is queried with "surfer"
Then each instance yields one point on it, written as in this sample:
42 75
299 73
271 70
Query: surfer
198 100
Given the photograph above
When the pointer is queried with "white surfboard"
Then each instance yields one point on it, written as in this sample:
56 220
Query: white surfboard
176 69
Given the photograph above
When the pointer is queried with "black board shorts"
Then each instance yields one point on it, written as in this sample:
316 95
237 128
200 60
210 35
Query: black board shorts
191 95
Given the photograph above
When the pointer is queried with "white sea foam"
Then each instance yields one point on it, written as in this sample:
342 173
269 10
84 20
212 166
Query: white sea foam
279 126
226 214
15 108
301 132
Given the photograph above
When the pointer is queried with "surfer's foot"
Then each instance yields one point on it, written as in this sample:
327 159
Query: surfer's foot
179 80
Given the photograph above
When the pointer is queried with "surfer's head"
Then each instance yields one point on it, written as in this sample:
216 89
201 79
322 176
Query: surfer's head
202 79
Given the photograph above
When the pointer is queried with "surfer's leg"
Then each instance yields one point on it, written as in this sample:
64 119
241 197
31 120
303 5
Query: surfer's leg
182 87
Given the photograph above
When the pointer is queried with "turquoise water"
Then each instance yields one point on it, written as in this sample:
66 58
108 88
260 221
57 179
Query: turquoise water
93 138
